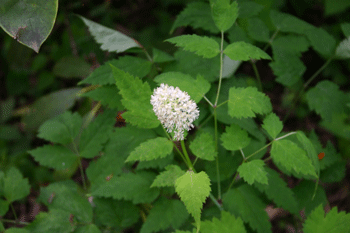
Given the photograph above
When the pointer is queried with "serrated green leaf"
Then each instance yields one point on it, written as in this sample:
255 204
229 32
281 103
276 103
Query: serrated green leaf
253 171
273 125
292 157
310 149
164 214
196 15
278 191
108 95
160 56
235 138
200 45
224 13
246 102
241 51
110 40
258 30
56 220
196 88
152 149
103 75
168 177
244 202
193 189
62 129
136 98
129 186
54 156
334 173
345 27
326 99
96 134
227 224
159 163
203 146
71 67
335 6
15 186
289 23
343 49
91 228
248 9
321 41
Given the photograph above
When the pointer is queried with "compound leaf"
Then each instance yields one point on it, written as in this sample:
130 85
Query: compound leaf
242 51
15 186
168 177
203 147
273 125
253 171
235 138
224 13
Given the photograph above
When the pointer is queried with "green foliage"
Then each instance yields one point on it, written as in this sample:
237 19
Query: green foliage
168 177
253 171
224 13
272 125
235 138
203 147
13 186
108 95
343 49
227 224
321 41
258 30
242 51
71 67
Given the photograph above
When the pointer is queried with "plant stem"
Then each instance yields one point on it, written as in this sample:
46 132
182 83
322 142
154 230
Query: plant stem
14 221
318 72
221 67
233 181
14 212
256 75
217 157
186 155
80 165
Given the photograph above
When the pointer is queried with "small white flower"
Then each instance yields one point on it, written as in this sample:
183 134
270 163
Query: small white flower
175 110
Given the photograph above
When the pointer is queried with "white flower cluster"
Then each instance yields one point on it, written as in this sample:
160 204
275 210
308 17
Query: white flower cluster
174 108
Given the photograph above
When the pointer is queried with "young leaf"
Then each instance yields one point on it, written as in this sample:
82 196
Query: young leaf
227 224
235 138
292 157
310 149
196 88
14 185
164 214
152 149
54 156
321 41
108 95
168 177
246 102
110 40
136 98
241 51
273 125
200 45
197 15
129 186
193 189
333 221
245 202
278 191
203 146
61 129
224 13
258 30
343 49
96 134
253 171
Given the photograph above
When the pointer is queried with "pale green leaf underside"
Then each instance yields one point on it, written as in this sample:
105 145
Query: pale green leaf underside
235 138
241 51
227 224
224 13
273 125
202 46
253 171
152 149
168 177
203 146
246 102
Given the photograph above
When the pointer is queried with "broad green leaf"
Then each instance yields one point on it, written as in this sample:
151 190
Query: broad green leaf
152 149
62 129
245 202
71 67
343 49
56 220
160 56
165 214
224 13
273 125
129 186
196 88
193 189
64 196
159 163
108 95
310 149
290 44
96 134
258 30
345 27
4 206
242 51
326 99
202 46
321 41
246 102
253 171
28 22
49 106
334 173
335 6
248 9
196 15
91 228
278 191
114 213
235 138
292 157
168 177
289 23
16 230
15 186
227 224
110 40
103 75
203 146
54 156
136 99
331 222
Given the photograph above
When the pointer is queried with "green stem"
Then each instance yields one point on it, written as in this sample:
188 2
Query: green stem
80 165
271 40
13 211
257 151
217 157
233 181
186 155
318 72
221 67
257 75
14 221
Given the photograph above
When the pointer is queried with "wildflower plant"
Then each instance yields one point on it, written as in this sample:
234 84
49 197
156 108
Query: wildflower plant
235 163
